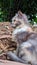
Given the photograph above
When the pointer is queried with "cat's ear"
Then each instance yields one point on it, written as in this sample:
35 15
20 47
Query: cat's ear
20 14
23 17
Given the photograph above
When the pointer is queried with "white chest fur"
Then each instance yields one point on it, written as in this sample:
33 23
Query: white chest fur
18 30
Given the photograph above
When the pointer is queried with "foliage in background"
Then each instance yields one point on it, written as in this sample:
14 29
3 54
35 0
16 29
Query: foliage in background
8 8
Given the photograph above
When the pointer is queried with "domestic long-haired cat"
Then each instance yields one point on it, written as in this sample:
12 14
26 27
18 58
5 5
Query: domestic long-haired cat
26 40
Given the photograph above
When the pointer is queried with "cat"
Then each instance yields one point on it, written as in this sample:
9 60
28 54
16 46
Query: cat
26 40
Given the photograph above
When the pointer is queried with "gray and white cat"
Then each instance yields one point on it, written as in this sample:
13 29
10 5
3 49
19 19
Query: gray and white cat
26 40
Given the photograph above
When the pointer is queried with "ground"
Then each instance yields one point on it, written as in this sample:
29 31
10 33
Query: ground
6 43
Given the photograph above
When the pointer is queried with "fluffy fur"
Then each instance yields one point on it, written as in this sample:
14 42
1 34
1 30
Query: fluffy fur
25 38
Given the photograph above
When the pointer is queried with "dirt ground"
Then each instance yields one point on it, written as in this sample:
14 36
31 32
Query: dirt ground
6 43
2 62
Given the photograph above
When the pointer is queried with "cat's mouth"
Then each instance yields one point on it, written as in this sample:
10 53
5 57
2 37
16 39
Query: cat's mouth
15 25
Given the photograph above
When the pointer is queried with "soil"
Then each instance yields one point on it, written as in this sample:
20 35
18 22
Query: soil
6 43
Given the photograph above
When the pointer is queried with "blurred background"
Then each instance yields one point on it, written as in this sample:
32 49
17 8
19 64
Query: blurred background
8 8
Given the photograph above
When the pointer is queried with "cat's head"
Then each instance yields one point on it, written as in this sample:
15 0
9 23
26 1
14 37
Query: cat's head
19 19
21 24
